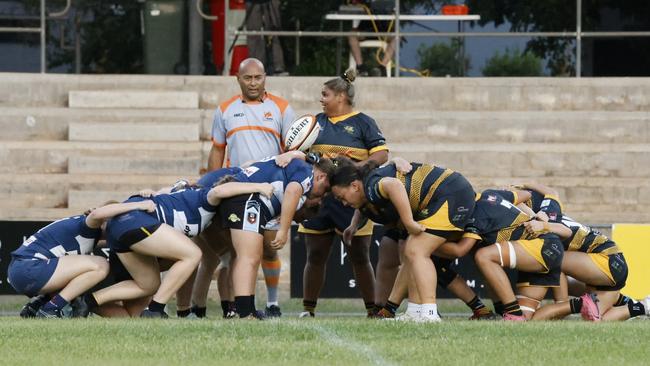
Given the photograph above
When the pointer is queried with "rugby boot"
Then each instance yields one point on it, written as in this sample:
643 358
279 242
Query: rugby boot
589 310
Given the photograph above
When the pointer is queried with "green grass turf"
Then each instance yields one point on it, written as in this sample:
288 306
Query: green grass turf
320 341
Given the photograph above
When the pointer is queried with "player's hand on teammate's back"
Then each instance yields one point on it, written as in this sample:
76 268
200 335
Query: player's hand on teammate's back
402 165
348 234
534 226
148 205
267 190
146 193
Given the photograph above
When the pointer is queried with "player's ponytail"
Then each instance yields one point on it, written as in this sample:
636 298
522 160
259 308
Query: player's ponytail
344 84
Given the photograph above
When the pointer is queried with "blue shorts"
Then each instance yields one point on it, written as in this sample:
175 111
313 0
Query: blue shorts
28 275
129 228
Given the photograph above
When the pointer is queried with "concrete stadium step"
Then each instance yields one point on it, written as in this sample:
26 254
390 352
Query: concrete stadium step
133 99
533 160
511 126
176 158
51 190
129 131
26 124
83 199
478 94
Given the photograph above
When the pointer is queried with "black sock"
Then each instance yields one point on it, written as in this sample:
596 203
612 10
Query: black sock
199 311
232 306
91 301
475 304
636 309
251 301
182 313
622 300
498 307
309 305
512 308
576 305
391 307
242 303
156 306
225 307
370 307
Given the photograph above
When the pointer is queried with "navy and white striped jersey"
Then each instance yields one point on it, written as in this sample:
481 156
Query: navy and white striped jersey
186 210
67 236
266 171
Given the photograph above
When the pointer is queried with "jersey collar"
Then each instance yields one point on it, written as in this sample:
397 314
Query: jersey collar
260 101
342 117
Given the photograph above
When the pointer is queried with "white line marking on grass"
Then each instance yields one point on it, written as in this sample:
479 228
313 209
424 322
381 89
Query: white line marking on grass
349 344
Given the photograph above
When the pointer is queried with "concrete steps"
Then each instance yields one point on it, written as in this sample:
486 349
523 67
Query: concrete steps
52 123
59 156
136 99
129 131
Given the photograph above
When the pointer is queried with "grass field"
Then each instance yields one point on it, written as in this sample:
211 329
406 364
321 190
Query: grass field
327 340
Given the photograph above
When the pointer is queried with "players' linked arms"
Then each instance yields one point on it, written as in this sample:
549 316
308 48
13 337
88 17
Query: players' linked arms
540 227
540 188
396 193
290 201
453 250
97 216
402 165
232 189
284 159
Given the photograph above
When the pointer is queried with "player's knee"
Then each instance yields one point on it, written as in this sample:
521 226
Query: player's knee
317 257
102 267
149 286
193 255
482 256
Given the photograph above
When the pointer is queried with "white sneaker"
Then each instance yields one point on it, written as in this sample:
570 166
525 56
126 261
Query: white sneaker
427 318
406 317
306 314
646 305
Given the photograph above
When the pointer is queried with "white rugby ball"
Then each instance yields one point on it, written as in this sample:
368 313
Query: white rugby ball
302 133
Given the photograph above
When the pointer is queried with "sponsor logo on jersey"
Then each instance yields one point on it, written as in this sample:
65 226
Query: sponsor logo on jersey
251 217
268 116
424 212
233 218
349 129
240 114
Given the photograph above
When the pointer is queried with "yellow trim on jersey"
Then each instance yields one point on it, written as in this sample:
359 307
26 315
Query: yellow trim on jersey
601 261
440 220
472 235
332 151
434 187
377 148
477 197
382 192
145 231
534 248
304 230
342 117
417 181
556 198
515 197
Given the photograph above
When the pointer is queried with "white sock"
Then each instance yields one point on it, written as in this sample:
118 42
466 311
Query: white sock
430 310
413 308
271 303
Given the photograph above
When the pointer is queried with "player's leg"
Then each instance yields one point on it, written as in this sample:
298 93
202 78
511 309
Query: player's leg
248 246
319 247
271 266
359 255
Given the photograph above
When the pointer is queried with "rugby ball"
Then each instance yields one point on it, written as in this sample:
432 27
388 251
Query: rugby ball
302 133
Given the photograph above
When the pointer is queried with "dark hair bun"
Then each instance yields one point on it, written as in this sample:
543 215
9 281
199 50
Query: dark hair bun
349 75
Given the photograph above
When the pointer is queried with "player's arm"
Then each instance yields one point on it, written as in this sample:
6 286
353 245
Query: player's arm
543 189
349 232
454 250
97 216
380 157
394 190
215 159
290 201
231 189
218 150
542 227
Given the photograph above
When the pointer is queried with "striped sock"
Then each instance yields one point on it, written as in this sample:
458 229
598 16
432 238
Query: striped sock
271 270
512 308
309 306
57 302
475 304
622 300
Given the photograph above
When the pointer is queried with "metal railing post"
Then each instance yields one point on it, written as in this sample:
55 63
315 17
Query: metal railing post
397 40
578 38
43 44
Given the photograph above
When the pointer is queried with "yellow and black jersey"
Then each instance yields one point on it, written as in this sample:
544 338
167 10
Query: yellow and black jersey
549 204
355 135
420 183
496 219
587 240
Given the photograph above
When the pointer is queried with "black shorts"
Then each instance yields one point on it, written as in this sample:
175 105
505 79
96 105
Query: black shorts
396 234
450 207
616 270
332 215
245 212
444 272
548 251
